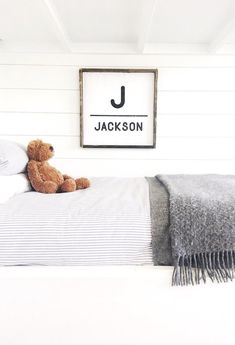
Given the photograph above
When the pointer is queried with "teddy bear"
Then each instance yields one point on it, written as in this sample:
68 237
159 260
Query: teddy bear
45 178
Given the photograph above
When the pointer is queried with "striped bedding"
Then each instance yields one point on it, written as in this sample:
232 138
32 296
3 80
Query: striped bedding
108 224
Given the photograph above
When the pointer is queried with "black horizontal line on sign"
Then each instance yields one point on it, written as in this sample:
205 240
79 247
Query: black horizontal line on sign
107 115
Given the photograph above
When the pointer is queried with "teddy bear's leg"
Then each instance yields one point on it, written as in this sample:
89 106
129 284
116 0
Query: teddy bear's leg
82 183
49 187
68 185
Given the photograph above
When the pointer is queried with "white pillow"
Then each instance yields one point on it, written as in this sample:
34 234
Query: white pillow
12 185
13 158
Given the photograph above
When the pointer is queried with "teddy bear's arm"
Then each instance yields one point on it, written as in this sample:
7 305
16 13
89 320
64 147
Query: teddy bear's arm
36 181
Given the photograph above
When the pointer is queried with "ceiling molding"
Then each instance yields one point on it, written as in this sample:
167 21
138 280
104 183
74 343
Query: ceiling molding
130 48
103 48
58 26
118 49
175 49
222 35
116 61
146 23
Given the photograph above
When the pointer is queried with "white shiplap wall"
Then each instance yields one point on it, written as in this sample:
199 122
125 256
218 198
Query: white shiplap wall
39 98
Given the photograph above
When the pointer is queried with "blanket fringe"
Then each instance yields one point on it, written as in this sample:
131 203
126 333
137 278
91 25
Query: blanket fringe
192 269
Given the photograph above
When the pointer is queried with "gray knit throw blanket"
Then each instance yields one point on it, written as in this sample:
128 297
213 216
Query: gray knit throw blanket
202 227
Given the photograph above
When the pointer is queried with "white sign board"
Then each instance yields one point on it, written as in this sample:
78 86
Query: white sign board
118 107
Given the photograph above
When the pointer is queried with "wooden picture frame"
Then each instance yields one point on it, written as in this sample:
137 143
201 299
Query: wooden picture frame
118 108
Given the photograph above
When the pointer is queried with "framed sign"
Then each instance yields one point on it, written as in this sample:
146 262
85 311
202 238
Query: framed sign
118 108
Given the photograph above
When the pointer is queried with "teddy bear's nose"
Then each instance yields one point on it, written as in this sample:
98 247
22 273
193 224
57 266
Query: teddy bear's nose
51 148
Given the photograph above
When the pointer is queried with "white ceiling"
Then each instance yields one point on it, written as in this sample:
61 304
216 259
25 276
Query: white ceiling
118 26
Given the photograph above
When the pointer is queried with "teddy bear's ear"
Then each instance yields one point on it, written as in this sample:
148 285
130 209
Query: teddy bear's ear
32 148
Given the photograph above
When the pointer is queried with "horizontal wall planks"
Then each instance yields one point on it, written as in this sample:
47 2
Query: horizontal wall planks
196 102
39 77
200 125
67 78
62 101
37 124
192 148
67 101
107 167
125 60
39 98
53 124
194 79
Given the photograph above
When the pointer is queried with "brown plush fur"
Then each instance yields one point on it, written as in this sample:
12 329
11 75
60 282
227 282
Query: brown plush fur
43 177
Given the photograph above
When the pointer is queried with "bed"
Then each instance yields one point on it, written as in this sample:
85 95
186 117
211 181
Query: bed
82 272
